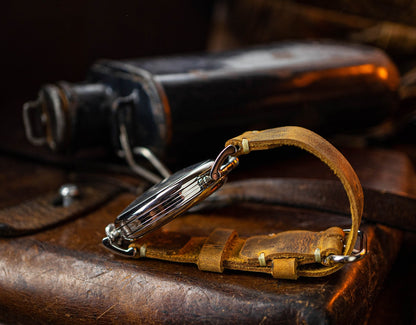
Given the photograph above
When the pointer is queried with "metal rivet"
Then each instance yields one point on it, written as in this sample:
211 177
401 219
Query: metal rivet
245 145
68 192
317 254
143 251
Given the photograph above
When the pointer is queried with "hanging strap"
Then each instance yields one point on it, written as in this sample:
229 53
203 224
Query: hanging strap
285 255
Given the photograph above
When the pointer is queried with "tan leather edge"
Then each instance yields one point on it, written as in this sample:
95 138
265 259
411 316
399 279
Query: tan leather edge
321 148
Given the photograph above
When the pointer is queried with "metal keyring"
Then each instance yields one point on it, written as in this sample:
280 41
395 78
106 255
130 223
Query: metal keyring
357 254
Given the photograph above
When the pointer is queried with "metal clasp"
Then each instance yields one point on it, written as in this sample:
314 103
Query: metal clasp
218 169
113 242
357 254
128 153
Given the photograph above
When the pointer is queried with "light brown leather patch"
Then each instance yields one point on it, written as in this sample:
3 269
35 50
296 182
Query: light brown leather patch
299 244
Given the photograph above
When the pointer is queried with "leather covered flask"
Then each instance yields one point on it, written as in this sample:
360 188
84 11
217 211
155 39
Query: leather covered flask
288 254
158 102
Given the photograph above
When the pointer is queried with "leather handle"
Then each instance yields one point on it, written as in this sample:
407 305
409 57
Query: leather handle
327 153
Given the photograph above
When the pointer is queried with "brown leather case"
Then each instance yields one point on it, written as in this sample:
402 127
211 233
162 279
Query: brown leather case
63 274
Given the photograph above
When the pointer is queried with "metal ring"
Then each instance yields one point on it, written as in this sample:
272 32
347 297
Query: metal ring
219 161
357 254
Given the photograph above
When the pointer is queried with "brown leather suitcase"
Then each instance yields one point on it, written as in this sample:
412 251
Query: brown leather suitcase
62 274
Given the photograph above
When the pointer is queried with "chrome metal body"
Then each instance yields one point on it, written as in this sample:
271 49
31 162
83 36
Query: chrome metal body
168 199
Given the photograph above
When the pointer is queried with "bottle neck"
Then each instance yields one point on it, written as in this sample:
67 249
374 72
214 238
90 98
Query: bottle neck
68 116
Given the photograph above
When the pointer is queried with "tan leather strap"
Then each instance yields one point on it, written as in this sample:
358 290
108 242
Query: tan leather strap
282 255
288 254
321 148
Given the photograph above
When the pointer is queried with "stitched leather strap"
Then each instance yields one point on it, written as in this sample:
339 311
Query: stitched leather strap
321 148
282 255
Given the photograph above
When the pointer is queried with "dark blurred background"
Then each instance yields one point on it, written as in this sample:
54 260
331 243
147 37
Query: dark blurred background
48 41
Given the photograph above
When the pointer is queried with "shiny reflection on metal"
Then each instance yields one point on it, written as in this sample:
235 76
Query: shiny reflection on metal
219 161
357 254
112 233
168 199
143 172
151 157
114 242
148 154
68 192
129 252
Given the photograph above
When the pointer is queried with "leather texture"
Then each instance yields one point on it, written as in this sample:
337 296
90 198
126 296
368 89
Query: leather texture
63 275
280 255
327 153
46 210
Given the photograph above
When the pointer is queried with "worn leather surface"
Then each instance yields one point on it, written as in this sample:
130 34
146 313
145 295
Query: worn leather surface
46 210
63 275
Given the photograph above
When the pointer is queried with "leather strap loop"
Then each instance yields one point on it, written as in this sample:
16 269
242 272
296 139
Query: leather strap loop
321 148
212 252
285 268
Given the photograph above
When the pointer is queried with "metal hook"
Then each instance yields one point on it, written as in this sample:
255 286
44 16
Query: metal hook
111 242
